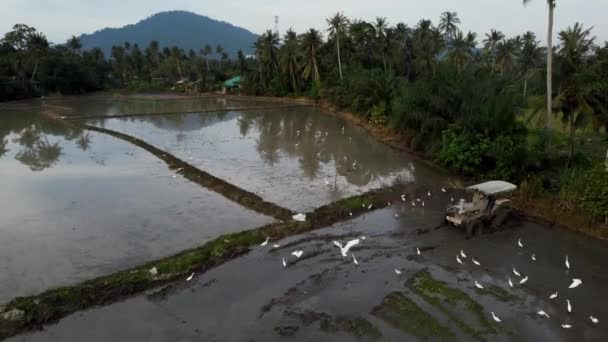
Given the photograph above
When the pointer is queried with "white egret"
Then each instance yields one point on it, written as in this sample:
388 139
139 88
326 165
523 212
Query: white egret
370 206
362 238
475 262
344 249
462 254
276 246
284 263
594 320
569 306
458 259
397 271
354 163
265 242
326 181
533 257
350 213
355 260
516 273
418 251
428 193
575 283
520 244
443 190
413 204
452 199
403 198
418 200
567 262
153 271
566 326
190 277
553 295
542 313
510 282
423 203
523 281
478 285
495 318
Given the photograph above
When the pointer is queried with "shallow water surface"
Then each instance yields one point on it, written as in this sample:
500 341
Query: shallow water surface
299 158
77 204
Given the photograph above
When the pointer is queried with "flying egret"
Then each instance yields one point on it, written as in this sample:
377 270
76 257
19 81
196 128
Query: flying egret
344 249
495 318
418 251
569 306
475 262
284 263
355 260
533 257
443 190
542 313
462 254
478 285
567 262
297 254
458 259
566 326
575 283
190 277
523 281
516 273
594 320
519 243
397 271
265 242
510 282
553 295
276 246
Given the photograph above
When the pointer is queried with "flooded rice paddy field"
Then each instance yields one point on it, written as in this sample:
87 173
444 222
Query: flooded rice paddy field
300 158
101 204
324 296
78 204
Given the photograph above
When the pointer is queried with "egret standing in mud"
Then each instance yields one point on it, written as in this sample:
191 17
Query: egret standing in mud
443 190
265 242
190 277
462 254
478 285
533 257
594 320
397 272
510 282
553 295
458 259
355 260
516 273
276 246
418 251
284 263
569 307
475 262
566 326
542 313
575 283
567 263
523 281
495 318
521 245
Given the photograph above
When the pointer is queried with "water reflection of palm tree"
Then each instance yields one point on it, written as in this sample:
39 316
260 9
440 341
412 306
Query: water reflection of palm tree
38 153
84 141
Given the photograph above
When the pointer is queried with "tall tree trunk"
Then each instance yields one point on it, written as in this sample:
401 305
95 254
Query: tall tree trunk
338 48
525 87
179 69
384 61
493 58
572 133
34 72
207 62
549 66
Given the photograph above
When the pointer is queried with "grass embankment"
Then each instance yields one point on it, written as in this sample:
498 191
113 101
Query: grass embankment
243 197
33 312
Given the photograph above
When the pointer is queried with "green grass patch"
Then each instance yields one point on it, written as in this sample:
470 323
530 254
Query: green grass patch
402 313
497 292
452 301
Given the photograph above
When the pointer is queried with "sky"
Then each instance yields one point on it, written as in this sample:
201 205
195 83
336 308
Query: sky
60 19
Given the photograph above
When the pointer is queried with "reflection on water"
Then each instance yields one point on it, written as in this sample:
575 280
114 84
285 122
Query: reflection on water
298 157
75 205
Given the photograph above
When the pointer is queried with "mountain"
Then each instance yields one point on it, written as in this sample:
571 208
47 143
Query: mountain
187 30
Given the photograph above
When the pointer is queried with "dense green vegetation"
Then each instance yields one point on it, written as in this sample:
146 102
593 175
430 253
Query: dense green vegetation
477 105
479 110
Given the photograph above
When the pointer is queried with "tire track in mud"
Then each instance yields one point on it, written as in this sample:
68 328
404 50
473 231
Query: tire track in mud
242 197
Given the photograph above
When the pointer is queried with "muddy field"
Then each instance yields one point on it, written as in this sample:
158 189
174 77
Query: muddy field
299 159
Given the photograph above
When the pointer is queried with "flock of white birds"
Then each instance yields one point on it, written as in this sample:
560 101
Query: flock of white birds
460 259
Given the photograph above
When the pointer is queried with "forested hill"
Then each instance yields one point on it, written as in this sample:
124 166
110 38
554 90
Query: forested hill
186 30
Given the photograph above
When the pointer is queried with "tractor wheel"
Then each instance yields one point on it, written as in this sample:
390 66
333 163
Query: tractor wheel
474 228
501 217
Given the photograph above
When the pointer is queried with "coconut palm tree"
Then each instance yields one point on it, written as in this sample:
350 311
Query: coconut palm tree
492 39
551 5
311 42
380 26
74 44
572 100
506 53
448 24
529 57
462 49
337 26
289 57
